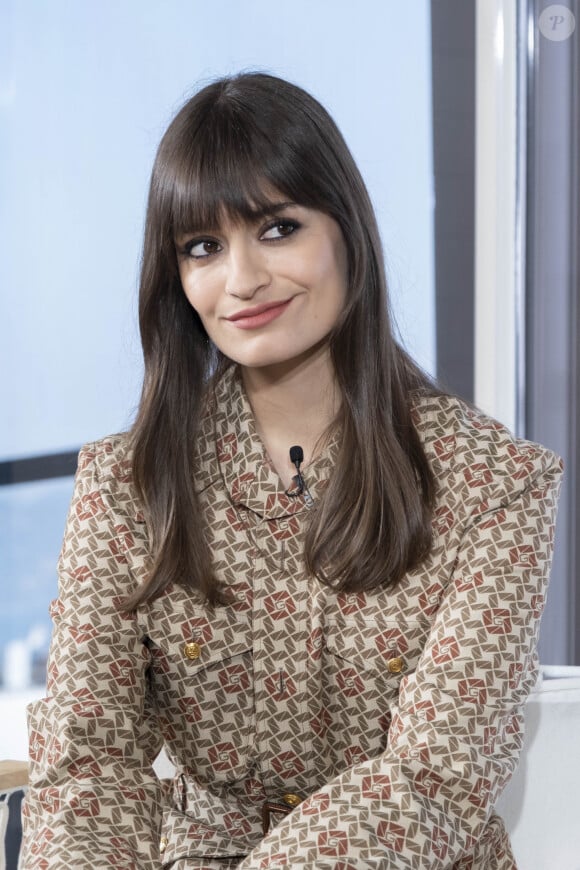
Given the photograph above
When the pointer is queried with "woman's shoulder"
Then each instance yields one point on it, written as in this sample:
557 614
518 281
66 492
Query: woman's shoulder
458 437
106 461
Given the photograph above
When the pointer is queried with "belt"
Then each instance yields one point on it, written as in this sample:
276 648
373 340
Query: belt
274 811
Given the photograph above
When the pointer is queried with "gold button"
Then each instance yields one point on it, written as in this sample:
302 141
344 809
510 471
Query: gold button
192 650
395 666
291 799
163 844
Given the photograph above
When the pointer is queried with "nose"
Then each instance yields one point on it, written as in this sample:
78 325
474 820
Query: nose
246 270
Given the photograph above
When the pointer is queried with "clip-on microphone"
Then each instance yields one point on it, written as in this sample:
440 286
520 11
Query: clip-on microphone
299 484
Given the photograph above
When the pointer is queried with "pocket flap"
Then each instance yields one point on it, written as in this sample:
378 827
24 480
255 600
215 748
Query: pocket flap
391 646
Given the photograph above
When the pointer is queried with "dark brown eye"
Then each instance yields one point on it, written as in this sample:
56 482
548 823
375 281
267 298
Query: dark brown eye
202 248
280 229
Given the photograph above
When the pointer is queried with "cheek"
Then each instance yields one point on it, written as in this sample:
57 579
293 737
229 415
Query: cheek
320 269
332 264
334 280
193 289
185 279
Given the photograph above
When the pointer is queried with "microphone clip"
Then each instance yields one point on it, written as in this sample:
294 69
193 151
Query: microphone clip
299 486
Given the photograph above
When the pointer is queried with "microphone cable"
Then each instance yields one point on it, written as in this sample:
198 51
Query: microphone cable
299 486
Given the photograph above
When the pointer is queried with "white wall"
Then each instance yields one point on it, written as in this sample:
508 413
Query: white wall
86 90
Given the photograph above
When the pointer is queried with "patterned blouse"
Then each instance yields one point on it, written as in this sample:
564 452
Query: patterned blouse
369 730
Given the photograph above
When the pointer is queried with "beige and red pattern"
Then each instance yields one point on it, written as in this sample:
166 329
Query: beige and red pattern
395 717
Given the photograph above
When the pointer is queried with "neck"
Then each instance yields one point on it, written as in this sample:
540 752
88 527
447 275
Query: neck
292 404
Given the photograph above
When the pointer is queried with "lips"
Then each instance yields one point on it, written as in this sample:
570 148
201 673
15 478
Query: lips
258 315
257 309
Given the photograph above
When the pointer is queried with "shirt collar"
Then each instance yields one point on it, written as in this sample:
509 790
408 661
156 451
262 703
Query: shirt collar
233 449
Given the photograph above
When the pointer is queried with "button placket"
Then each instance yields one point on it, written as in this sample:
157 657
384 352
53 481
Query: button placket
280 615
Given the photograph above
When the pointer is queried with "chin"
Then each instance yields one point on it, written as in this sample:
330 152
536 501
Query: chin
262 362
264 357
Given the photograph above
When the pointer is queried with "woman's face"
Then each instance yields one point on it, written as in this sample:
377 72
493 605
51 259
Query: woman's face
270 291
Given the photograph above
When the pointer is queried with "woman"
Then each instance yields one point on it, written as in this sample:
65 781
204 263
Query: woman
335 641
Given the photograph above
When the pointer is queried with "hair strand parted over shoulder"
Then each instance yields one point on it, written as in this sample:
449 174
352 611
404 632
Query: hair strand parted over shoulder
228 149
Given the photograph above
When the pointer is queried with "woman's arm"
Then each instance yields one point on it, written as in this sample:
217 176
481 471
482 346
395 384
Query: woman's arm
94 800
456 733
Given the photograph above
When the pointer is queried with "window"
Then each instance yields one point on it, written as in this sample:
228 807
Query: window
87 91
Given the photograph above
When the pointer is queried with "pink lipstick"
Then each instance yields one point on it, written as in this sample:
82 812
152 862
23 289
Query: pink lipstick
259 315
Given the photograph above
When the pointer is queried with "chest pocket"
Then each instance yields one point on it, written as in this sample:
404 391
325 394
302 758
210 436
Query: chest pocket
363 664
387 649
202 682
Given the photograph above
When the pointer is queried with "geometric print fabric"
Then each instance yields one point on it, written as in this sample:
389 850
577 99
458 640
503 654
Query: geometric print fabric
389 722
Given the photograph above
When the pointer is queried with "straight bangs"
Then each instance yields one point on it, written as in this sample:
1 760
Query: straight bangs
208 195
227 157
220 176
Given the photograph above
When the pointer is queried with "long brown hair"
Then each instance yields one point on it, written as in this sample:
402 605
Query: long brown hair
237 138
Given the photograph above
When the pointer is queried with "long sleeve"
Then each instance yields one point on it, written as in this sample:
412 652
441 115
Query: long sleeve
94 800
456 731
